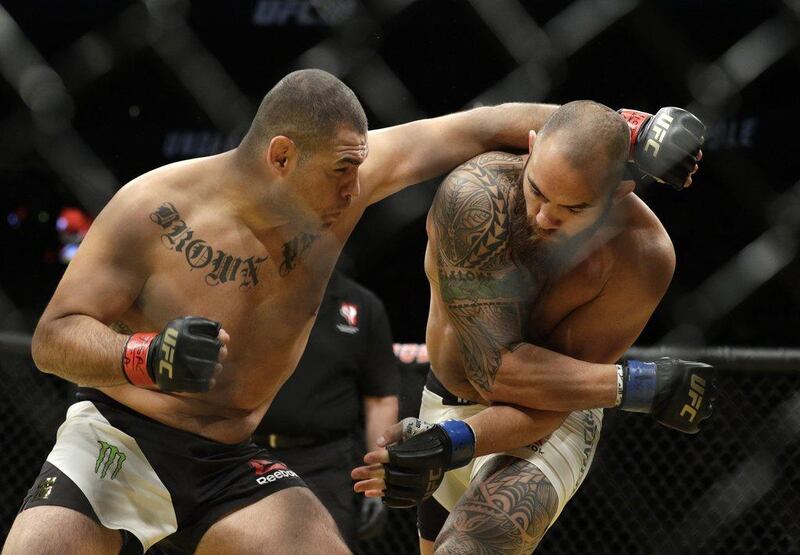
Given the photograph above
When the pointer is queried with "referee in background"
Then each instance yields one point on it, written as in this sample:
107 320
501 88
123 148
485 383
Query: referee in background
342 396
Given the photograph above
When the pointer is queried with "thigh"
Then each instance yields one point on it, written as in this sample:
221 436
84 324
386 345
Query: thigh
290 521
48 529
326 470
507 509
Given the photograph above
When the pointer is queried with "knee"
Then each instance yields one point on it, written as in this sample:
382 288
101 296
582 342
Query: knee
323 535
52 530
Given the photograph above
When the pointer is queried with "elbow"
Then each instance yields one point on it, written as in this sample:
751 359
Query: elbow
39 344
515 383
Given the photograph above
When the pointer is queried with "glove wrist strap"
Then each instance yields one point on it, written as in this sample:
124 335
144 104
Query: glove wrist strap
462 440
134 359
620 384
639 386
635 120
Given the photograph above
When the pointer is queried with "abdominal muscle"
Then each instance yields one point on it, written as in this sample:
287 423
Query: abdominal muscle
229 412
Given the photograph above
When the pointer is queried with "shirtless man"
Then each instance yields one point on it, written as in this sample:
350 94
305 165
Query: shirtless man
157 450
536 265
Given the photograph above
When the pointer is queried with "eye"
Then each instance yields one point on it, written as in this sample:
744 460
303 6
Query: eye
340 170
575 210
536 192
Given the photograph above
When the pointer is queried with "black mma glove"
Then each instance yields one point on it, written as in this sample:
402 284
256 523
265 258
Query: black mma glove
418 463
665 146
179 359
678 393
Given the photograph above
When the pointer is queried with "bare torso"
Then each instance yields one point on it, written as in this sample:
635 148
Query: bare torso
265 291
612 244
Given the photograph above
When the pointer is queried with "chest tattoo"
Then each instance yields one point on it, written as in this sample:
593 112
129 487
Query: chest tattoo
218 265
293 250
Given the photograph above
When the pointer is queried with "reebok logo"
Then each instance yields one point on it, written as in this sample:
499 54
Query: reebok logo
268 471
261 466
277 475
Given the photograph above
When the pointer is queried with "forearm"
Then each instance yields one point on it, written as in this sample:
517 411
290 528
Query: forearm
379 414
502 428
509 123
538 378
80 349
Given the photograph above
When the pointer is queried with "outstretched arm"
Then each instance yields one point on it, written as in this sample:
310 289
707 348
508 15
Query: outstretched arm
419 150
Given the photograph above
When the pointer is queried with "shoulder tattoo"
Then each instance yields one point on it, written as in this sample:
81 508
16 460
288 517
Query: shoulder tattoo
471 215
483 291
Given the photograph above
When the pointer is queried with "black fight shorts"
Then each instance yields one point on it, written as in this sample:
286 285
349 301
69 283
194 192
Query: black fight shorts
159 486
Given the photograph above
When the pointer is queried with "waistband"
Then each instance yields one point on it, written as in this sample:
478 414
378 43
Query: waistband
291 441
435 386
132 422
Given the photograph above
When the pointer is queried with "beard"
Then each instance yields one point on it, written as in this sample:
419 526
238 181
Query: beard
545 255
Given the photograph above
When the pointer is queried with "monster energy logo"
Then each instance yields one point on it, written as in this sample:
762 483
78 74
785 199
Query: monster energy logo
108 453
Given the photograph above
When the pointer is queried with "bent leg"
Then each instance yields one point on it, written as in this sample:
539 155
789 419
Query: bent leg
507 509
49 529
290 521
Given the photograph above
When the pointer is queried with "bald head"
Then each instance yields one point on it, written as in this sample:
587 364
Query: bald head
589 134
308 106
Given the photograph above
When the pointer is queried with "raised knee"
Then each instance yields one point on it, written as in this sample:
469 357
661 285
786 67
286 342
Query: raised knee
33 532
323 536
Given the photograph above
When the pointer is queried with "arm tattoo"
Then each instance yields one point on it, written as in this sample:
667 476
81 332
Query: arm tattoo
478 282
220 266
121 327
506 510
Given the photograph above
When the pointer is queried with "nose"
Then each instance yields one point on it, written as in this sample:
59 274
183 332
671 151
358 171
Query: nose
545 218
352 189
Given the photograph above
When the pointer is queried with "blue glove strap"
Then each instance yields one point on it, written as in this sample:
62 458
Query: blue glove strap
462 442
640 386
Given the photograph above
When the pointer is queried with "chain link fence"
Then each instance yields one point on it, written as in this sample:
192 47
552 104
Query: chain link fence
93 94
732 489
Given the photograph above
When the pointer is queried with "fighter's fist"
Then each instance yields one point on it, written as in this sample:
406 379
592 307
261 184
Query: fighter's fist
184 357
678 393
418 463
666 146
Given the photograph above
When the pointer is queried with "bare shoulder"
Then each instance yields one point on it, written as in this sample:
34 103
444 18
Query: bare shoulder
644 256
471 211
155 198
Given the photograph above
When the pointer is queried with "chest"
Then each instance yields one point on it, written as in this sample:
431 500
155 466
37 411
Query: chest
565 294
264 295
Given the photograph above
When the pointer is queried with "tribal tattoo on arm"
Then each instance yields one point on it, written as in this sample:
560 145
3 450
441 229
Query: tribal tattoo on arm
483 290
506 510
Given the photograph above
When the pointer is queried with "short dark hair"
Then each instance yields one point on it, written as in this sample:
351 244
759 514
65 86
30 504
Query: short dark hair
308 106
590 128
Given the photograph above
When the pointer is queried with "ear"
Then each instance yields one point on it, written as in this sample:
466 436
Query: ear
531 140
281 155
624 188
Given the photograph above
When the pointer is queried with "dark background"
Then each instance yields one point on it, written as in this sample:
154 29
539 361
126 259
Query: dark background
94 93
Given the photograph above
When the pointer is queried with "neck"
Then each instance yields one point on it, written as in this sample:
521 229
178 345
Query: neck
250 193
